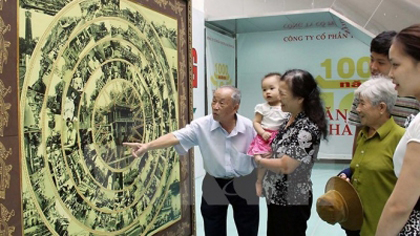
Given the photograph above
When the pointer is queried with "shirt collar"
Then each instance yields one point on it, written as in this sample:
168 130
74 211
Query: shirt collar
240 126
301 115
383 130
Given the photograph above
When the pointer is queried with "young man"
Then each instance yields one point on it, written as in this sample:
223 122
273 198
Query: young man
223 138
380 65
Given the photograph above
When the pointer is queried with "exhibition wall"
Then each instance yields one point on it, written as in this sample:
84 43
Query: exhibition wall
335 52
338 64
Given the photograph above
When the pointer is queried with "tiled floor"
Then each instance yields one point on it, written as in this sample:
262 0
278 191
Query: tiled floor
316 227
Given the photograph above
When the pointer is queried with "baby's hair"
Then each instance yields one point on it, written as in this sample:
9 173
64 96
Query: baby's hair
276 74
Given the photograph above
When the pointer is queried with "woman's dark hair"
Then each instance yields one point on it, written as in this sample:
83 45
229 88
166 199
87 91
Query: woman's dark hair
409 39
303 84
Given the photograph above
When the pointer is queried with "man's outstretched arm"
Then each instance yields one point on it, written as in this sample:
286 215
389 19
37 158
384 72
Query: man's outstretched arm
139 149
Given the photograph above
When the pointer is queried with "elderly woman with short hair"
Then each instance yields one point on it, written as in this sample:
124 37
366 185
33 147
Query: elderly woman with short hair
371 169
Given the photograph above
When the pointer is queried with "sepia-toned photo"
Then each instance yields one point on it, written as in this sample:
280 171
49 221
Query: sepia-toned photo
93 75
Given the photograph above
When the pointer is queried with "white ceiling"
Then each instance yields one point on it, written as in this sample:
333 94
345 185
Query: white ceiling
369 16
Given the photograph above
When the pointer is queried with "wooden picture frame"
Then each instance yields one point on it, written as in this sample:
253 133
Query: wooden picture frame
77 79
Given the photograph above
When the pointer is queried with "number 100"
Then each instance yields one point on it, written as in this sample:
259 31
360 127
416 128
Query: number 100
346 67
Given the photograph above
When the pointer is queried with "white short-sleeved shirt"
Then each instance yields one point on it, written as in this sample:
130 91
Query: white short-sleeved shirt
412 134
273 116
224 154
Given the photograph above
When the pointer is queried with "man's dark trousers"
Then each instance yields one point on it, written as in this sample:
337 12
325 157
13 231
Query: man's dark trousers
218 193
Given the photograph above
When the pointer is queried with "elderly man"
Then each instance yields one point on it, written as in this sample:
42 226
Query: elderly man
223 138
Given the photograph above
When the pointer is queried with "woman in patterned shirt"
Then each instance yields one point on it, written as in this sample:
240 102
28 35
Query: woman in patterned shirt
287 185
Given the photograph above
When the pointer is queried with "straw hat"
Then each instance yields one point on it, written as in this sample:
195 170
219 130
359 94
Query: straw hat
340 204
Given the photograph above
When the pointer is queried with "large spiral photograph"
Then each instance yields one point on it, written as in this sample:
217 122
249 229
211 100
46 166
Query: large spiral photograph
95 74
